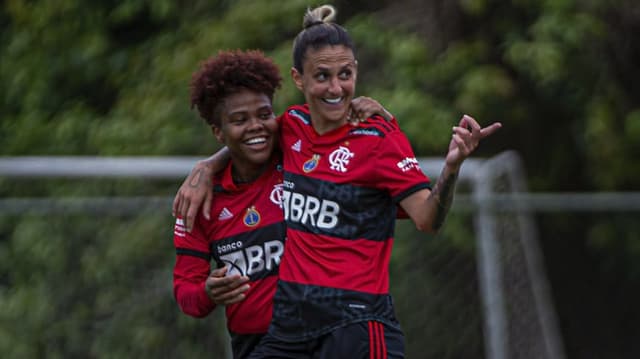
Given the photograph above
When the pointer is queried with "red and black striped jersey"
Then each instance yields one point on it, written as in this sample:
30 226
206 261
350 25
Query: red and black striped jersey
246 233
340 196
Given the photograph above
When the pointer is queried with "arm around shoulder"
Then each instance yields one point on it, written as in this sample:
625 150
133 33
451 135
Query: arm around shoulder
196 190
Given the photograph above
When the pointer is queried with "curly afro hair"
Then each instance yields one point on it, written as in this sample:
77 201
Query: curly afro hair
226 74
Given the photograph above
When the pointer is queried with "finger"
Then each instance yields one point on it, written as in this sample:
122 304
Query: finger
190 217
218 272
229 295
386 114
183 203
489 130
217 287
470 123
350 116
176 205
226 281
220 284
206 210
360 103
463 133
230 298
192 213
462 145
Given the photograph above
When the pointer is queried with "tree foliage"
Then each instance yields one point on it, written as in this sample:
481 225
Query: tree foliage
112 78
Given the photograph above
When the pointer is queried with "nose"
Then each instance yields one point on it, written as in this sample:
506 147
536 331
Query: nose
255 124
334 86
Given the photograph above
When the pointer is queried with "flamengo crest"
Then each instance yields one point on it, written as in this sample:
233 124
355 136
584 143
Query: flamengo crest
339 159
276 195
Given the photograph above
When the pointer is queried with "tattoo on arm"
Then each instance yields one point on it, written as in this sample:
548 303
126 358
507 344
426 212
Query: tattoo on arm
443 194
195 180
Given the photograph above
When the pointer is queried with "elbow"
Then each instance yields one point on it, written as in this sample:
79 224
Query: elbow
427 228
192 304
193 313
192 310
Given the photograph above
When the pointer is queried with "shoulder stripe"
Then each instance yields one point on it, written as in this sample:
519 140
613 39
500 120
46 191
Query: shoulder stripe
380 123
388 125
366 132
193 253
412 190
300 114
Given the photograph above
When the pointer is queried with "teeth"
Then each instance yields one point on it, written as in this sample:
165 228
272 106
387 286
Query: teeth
333 100
256 140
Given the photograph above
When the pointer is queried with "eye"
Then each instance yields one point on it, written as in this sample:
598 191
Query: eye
239 120
345 74
266 115
322 76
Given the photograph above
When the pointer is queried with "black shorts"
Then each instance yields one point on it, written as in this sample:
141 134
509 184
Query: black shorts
242 345
362 340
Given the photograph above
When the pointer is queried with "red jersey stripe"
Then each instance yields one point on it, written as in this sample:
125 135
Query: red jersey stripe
337 263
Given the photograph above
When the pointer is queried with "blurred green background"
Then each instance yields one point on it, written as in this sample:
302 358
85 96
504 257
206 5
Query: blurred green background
110 78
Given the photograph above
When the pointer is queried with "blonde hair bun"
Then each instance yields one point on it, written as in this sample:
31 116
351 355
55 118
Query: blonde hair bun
319 15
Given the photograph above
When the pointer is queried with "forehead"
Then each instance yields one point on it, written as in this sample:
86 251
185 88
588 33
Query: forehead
246 100
328 57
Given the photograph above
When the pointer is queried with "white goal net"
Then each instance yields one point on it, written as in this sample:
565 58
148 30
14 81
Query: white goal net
478 290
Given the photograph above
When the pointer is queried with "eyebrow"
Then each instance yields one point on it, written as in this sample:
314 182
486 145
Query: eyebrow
261 108
349 65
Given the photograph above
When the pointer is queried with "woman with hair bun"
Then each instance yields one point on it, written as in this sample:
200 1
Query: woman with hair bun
342 187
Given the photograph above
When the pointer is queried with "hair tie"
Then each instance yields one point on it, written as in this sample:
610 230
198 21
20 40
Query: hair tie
315 22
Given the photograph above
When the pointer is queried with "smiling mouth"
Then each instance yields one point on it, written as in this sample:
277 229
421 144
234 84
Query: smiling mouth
333 101
256 141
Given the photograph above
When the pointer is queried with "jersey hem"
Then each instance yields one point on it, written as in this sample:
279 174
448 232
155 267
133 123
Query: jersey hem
326 330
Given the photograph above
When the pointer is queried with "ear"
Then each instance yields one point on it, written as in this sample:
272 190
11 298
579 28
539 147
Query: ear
217 132
355 73
297 78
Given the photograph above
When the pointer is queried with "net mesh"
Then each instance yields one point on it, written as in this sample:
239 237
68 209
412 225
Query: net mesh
88 273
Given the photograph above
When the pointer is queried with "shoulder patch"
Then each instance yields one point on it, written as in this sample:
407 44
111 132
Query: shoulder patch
371 131
300 115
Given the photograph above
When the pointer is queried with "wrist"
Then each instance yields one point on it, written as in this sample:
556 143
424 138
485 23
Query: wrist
207 166
451 168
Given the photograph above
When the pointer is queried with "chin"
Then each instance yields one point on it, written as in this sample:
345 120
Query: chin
336 116
260 159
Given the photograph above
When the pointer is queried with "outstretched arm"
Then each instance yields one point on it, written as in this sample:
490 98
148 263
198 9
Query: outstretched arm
196 191
428 209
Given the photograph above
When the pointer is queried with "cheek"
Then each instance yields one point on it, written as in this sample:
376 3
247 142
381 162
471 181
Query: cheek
230 135
272 126
350 85
317 90
312 87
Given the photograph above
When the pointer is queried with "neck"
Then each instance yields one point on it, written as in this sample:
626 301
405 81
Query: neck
247 174
323 126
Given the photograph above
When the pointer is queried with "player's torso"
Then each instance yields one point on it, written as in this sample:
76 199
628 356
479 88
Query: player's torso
339 224
247 234
246 229
331 183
